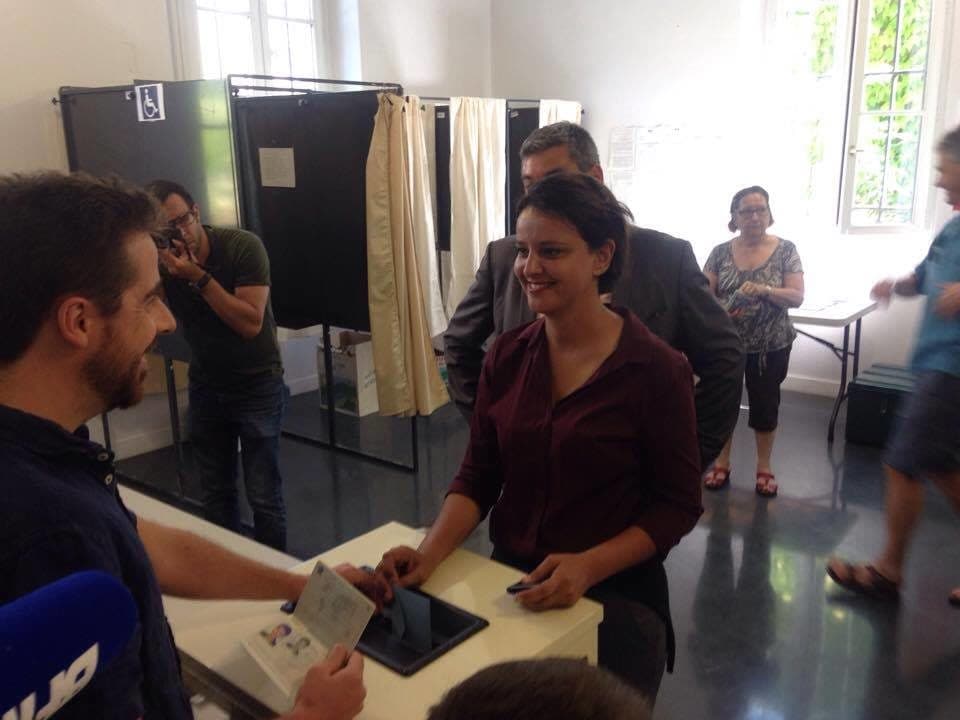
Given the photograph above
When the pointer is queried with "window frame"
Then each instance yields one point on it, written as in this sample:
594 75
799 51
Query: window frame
931 120
259 22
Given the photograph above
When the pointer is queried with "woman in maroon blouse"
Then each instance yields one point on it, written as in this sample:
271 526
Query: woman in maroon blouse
583 443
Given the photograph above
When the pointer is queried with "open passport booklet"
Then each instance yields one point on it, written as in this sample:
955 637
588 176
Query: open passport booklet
330 611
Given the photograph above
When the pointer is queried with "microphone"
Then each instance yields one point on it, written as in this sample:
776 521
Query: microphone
53 640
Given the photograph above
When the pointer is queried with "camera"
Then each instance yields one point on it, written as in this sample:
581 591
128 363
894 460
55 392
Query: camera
164 239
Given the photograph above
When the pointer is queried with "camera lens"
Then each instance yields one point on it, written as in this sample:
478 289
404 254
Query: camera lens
164 237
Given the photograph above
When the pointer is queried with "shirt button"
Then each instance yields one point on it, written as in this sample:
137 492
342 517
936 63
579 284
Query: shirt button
103 457
108 479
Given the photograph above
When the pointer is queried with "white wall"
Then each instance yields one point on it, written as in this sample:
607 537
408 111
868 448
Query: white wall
432 47
49 43
693 65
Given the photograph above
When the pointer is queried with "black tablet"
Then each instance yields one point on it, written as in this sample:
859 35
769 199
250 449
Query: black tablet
415 630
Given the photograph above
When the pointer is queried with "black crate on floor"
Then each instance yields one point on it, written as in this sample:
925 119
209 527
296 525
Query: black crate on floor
872 403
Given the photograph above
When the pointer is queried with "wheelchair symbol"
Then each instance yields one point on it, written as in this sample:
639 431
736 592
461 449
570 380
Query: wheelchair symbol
150 102
150 109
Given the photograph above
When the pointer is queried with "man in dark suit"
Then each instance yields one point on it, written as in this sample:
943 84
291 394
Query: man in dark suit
662 284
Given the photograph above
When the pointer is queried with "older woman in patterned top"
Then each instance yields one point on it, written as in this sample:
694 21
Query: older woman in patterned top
757 277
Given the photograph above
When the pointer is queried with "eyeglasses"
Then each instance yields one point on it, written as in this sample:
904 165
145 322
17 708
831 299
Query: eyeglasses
182 221
747 212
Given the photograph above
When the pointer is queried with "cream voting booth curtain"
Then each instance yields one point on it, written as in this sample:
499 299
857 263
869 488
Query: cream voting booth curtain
552 111
408 381
422 209
478 176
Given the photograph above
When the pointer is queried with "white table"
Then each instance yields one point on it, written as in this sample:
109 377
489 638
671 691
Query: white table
836 314
210 631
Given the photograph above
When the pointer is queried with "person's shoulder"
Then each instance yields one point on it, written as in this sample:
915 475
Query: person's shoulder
502 251
234 238
514 343
645 347
654 239
788 246
950 232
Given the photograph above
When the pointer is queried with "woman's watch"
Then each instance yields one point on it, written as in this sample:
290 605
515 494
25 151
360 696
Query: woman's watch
200 284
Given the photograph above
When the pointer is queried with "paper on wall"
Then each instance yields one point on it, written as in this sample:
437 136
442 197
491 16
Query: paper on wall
277 167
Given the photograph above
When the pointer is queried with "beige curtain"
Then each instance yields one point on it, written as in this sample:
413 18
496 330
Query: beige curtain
424 217
408 381
478 177
552 111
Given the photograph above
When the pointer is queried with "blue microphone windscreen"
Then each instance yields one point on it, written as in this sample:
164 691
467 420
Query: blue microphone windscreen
51 630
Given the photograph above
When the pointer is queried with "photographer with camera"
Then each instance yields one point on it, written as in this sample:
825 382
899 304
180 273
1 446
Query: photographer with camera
217 283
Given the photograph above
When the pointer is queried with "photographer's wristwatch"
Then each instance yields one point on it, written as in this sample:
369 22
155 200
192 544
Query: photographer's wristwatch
200 284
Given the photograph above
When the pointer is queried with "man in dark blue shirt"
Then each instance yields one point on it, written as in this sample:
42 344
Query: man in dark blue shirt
80 305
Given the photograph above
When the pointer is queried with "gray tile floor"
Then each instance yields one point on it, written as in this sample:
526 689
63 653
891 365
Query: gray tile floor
761 634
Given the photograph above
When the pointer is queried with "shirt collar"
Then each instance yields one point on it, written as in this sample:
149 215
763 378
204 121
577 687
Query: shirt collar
45 437
633 346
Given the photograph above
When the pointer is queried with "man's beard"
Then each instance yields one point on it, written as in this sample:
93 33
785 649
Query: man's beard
117 381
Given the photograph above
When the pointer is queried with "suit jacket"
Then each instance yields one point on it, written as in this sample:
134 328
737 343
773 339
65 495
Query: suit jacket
661 283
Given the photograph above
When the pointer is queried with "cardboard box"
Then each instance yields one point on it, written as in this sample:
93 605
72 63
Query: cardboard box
354 378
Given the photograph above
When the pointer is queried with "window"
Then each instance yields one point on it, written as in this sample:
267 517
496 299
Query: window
889 114
857 104
260 37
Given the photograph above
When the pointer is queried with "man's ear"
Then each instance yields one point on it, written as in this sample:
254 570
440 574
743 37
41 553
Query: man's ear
196 211
76 321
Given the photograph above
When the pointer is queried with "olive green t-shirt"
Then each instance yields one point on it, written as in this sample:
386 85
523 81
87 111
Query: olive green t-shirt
220 356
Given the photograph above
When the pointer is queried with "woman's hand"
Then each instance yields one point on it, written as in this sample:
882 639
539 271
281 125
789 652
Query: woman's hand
752 289
562 578
405 567
373 585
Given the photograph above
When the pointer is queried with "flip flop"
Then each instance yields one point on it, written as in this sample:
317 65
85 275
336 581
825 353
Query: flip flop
879 586
717 478
766 485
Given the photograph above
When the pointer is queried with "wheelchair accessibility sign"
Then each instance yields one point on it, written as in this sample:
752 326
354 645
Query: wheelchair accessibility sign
150 103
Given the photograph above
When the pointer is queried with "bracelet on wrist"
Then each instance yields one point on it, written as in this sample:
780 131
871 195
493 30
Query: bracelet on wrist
202 282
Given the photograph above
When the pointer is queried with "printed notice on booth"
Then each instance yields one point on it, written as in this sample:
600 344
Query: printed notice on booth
277 167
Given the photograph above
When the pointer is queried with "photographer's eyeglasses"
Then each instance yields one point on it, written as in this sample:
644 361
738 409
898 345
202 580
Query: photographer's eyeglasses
183 221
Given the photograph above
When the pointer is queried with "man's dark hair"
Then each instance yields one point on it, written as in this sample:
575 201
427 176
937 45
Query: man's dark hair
950 144
582 148
588 206
63 235
548 689
740 195
162 189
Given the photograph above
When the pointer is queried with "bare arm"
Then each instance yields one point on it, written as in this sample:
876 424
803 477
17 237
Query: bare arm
242 312
907 286
188 565
407 567
790 295
458 517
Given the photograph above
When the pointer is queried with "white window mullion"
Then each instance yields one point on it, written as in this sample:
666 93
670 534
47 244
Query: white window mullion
260 37
860 41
